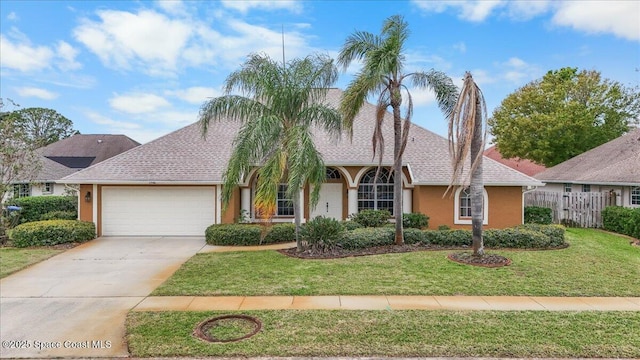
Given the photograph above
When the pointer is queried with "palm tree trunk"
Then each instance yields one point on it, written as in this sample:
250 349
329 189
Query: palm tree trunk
477 185
297 215
397 174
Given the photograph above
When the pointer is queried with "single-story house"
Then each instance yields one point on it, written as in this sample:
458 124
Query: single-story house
613 167
525 166
66 157
172 185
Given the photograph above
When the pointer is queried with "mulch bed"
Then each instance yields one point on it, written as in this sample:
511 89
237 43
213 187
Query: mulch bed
486 260
378 250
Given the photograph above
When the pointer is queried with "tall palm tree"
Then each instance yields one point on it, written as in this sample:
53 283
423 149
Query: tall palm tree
279 106
382 73
466 140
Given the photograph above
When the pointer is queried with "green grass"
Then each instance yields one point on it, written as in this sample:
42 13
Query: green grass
397 333
596 264
14 259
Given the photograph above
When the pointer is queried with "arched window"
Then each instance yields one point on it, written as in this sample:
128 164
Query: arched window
378 197
333 174
462 207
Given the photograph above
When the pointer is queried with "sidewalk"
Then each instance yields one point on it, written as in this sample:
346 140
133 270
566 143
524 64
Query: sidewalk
499 303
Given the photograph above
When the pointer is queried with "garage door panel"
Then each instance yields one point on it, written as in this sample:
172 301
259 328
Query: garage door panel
144 211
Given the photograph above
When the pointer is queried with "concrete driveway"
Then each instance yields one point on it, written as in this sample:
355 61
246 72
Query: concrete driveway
74 304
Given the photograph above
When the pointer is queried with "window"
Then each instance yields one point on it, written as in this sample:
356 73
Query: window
284 205
333 174
465 203
586 188
47 188
462 207
21 190
567 187
378 197
635 195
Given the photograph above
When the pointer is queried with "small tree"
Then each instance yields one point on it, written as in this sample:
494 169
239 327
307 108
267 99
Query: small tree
466 140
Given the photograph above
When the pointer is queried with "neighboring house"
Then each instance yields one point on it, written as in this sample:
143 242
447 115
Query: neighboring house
523 165
68 156
172 185
613 167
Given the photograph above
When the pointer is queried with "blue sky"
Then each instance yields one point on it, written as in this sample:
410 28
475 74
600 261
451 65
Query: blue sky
144 68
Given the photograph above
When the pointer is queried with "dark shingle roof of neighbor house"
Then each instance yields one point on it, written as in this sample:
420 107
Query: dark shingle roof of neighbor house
184 156
616 162
525 166
79 151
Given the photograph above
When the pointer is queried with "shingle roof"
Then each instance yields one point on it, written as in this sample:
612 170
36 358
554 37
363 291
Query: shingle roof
615 162
184 156
525 166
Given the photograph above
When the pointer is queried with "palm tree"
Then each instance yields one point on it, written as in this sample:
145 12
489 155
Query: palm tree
466 139
382 73
279 106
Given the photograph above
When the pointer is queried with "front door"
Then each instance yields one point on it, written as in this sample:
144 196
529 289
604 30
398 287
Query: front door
330 202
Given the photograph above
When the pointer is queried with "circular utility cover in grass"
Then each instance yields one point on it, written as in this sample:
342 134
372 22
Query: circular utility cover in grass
227 328
486 260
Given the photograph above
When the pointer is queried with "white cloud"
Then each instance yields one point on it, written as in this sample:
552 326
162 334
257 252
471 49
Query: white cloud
476 10
175 7
617 17
195 95
246 5
461 47
112 124
67 54
120 38
525 10
138 103
23 56
36 92
13 16
518 71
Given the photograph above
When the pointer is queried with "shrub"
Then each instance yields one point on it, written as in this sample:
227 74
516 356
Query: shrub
371 218
554 232
34 207
415 236
415 220
233 234
444 227
367 237
622 220
537 215
448 237
323 234
59 215
52 232
280 233
351 225
515 238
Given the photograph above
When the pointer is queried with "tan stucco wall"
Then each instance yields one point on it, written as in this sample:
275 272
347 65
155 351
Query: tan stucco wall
231 213
505 206
85 212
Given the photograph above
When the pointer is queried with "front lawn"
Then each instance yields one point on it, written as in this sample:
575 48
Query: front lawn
407 333
14 259
595 264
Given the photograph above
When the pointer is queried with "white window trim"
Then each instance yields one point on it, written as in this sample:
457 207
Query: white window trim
631 195
467 221
51 188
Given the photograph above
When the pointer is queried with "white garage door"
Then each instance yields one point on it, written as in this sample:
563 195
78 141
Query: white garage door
157 210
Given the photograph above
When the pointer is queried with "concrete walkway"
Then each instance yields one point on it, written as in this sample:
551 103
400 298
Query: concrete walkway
499 303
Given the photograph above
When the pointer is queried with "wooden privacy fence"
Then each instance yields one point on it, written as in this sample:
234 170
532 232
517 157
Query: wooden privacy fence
574 209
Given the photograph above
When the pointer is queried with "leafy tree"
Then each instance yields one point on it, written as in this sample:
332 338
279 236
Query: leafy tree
280 105
563 115
383 74
466 141
42 126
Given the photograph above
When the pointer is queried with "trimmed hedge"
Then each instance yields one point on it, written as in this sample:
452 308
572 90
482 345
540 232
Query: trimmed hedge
554 232
515 238
622 220
415 220
537 215
34 207
367 237
449 237
414 236
249 234
371 218
52 232
280 233
59 215
530 236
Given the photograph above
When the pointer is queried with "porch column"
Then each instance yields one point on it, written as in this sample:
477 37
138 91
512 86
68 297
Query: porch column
245 202
352 198
407 200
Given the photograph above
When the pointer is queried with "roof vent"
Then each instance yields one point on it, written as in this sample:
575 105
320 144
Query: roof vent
99 141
